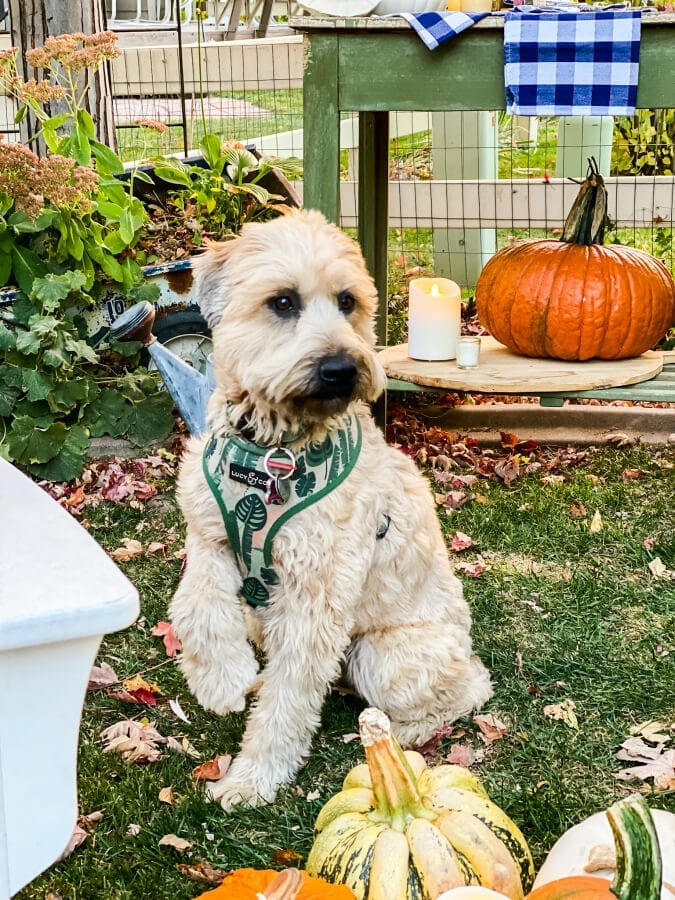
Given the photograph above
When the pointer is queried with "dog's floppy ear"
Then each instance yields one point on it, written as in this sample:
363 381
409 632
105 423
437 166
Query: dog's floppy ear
212 282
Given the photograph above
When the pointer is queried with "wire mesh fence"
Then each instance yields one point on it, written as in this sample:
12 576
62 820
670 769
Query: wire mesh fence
461 184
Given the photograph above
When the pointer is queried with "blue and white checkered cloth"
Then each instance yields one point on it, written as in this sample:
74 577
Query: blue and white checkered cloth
437 27
581 63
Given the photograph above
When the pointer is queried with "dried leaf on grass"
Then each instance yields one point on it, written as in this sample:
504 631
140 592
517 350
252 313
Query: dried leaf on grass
563 712
166 632
508 470
137 742
656 763
101 676
286 857
461 542
429 749
177 843
658 568
491 728
137 690
652 730
130 548
133 830
471 570
348 738
202 871
462 755
77 838
213 769
453 499
577 510
166 795
620 438
83 828
187 748
596 523
156 547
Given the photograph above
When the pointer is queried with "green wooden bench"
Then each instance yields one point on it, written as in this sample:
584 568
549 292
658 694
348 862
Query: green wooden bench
660 389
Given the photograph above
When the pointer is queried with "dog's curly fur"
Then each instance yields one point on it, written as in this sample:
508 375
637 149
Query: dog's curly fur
389 614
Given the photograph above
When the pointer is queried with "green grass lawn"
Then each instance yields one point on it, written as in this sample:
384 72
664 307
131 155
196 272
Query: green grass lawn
561 613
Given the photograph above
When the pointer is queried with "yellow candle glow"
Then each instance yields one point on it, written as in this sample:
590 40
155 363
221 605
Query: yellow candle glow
434 318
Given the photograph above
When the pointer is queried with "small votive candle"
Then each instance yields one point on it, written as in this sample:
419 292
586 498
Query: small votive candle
434 318
468 351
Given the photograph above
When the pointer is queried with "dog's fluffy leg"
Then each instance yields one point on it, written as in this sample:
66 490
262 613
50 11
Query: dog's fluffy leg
304 657
422 675
217 660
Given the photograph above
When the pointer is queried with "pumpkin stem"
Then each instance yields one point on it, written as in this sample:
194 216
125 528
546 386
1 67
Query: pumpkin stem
586 220
638 856
397 798
285 885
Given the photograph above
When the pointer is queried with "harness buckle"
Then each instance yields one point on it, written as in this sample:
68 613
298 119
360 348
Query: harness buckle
279 465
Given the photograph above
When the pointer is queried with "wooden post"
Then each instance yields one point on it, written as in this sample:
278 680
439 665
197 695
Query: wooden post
35 20
374 205
464 145
321 122
580 137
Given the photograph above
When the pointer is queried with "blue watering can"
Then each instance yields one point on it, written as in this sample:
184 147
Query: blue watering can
188 387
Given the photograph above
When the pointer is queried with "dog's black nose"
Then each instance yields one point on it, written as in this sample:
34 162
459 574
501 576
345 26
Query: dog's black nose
337 375
337 369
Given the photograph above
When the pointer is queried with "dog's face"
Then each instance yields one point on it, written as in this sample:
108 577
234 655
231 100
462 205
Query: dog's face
291 308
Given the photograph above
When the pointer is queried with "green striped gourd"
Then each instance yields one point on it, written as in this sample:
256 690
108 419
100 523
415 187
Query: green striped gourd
400 830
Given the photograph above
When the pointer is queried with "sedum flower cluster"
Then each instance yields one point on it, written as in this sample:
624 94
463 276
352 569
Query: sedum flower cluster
75 52
31 181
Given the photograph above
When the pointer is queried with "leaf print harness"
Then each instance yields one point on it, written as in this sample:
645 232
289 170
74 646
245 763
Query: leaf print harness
254 505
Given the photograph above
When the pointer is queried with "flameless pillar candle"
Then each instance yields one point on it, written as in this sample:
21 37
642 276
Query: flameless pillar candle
434 318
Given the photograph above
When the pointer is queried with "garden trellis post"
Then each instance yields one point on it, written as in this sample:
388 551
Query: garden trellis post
33 21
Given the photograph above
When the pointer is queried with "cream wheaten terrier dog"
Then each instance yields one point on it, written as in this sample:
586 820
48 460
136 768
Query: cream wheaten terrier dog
295 503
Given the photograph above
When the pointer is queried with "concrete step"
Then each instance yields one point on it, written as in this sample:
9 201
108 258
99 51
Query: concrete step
574 424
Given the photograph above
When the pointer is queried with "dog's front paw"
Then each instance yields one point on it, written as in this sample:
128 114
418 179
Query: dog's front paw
246 783
218 685
231 792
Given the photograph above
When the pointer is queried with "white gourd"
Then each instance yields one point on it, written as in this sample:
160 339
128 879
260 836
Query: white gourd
570 855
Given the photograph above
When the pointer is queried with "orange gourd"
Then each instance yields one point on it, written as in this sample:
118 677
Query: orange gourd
576 299
249 884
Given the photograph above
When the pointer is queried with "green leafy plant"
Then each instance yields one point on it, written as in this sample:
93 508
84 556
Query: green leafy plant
68 229
218 198
644 144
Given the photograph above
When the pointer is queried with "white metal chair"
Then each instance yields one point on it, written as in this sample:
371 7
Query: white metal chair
155 12
59 594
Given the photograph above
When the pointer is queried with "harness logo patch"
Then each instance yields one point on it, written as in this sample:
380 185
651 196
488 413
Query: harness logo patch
250 477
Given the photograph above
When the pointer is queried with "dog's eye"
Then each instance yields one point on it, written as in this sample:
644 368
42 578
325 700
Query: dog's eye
346 302
284 304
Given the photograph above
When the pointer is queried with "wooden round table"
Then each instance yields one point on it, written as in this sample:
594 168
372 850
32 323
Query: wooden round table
500 371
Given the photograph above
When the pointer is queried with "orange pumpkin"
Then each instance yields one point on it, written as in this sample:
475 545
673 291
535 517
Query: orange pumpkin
578 887
574 298
248 884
